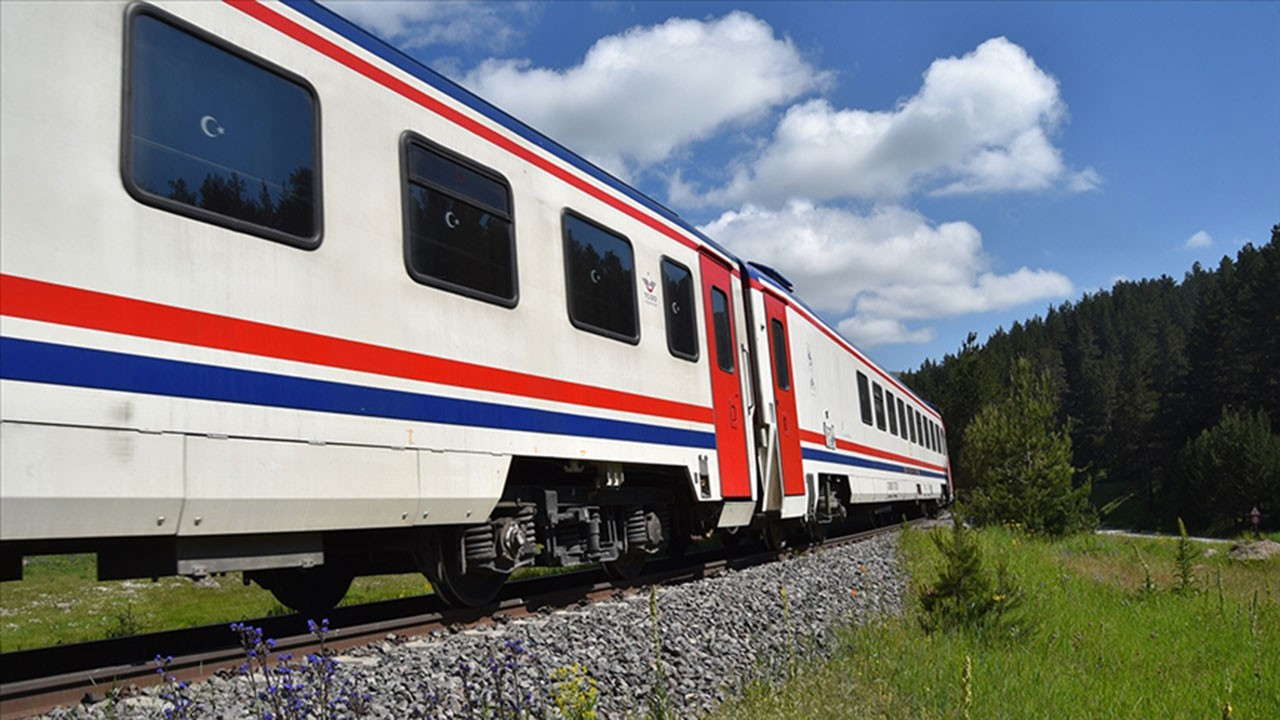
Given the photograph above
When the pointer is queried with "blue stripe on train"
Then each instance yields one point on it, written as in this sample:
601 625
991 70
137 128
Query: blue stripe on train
32 361
824 456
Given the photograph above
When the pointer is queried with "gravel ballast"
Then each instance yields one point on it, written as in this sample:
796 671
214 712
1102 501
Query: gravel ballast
714 634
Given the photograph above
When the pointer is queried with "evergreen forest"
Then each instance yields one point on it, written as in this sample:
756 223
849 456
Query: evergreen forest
1170 391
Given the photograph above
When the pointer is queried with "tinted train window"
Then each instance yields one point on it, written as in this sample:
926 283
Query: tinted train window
677 298
911 424
723 324
893 412
458 225
879 397
219 135
864 398
781 370
920 426
902 414
601 280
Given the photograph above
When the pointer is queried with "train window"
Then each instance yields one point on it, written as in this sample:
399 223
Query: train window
933 436
781 370
911 425
878 394
677 296
920 428
864 398
216 134
902 414
600 277
893 412
723 323
458 224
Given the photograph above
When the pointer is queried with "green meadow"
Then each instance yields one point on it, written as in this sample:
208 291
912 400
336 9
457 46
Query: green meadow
60 601
1102 634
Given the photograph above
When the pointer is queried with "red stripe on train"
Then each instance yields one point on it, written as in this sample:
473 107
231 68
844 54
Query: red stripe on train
810 436
64 305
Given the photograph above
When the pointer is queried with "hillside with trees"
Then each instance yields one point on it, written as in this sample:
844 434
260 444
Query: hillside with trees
1170 390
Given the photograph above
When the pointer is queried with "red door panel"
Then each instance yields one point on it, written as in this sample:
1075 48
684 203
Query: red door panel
785 396
726 388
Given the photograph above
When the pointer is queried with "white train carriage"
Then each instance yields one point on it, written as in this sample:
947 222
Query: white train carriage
838 430
275 298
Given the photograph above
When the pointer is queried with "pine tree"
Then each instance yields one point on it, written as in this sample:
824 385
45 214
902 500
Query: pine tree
1141 369
1017 460
1229 469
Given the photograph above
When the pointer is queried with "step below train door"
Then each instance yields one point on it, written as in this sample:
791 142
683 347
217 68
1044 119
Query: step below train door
731 422
786 425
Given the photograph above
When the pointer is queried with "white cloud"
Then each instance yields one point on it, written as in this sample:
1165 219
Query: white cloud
870 332
985 292
1084 180
1200 239
640 96
411 24
979 123
876 271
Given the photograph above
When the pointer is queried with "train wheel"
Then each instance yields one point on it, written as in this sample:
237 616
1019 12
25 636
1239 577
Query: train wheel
816 532
475 588
625 568
773 534
311 592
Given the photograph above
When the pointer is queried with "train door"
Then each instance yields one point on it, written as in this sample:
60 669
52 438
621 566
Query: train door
731 421
786 422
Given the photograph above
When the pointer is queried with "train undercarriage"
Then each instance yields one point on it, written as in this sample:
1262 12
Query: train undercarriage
553 514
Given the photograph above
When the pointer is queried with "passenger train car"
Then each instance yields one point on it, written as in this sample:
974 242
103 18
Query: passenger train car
277 299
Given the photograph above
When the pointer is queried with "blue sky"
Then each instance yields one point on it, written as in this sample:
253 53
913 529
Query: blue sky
919 170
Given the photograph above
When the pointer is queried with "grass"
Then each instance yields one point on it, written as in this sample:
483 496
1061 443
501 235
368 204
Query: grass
59 601
1101 647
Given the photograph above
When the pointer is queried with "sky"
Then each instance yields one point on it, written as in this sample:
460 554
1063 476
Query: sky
918 170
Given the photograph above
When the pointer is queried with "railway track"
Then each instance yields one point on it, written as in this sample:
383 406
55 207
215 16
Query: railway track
36 681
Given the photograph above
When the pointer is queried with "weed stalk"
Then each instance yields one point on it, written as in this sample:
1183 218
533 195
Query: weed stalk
1184 560
1148 585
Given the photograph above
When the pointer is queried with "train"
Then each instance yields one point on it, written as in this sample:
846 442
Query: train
277 299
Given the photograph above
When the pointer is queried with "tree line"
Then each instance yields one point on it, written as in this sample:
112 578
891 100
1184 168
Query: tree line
1168 388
